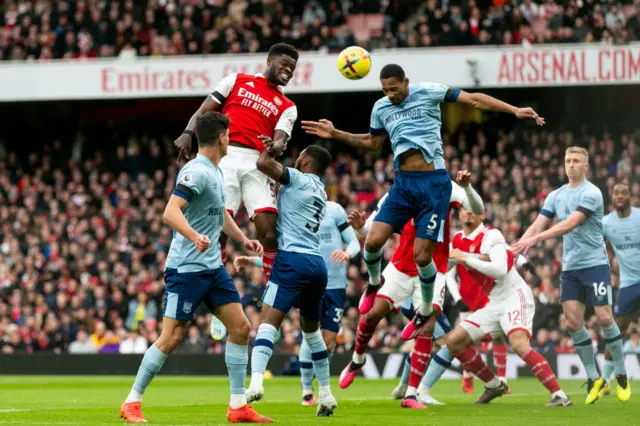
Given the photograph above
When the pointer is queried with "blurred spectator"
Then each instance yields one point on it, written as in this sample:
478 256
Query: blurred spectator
82 344
140 309
133 344
194 343
632 346
85 30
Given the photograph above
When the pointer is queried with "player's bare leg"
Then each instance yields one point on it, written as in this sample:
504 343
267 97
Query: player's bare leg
173 332
265 223
236 358
521 344
262 350
308 397
372 255
608 367
366 327
423 254
613 337
460 344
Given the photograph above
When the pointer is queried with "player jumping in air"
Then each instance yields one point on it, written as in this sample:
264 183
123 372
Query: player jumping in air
256 106
586 277
621 229
410 116
299 275
484 257
194 272
335 231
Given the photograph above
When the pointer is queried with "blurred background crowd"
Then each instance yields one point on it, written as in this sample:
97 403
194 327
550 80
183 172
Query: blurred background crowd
84 29
82 245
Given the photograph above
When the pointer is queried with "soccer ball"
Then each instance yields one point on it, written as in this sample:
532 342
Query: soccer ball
354 63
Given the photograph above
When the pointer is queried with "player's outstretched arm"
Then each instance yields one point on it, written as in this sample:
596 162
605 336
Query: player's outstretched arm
489 103
267 163
183 143
574 220
495 266
174 217
324 129
232 231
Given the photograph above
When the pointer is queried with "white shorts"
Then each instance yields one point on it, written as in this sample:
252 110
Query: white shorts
398 287
243 182
503 316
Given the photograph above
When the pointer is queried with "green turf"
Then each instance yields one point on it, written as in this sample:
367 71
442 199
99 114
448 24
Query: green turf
202 401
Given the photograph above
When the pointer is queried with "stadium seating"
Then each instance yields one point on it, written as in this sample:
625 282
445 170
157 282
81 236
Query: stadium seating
44 30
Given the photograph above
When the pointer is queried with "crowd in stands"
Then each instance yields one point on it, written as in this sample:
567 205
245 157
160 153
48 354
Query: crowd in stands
84 29
82 245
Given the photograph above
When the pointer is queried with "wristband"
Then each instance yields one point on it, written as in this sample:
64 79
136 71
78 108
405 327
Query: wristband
188 132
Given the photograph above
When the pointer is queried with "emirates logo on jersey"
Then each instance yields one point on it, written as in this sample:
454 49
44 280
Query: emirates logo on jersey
257 102
277 100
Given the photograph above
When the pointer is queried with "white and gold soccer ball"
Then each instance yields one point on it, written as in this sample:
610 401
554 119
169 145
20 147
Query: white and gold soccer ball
354 63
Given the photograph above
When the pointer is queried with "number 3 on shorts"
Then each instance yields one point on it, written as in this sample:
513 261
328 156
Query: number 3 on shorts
433 223
338 318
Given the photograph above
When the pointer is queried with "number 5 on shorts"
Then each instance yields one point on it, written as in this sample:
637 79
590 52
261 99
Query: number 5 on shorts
433 223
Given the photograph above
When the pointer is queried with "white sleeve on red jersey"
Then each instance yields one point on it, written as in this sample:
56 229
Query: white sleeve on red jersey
367 225
287 120
467 197
223 88
452 284
493 245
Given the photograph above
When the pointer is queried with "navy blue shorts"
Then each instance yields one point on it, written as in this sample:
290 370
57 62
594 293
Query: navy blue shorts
627 301
588 285
332 309
185 291
422 196
297 280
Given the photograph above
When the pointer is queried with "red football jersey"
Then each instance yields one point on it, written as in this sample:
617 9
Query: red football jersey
403 256
255 108
475 286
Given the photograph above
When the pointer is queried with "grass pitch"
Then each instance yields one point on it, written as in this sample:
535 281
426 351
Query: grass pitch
172 400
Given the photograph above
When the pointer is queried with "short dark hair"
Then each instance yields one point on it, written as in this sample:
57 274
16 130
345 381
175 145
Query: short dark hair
210 126
392 70
283 49
320 156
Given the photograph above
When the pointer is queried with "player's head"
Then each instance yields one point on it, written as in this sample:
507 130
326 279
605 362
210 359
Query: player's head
621 197
576 162
471 221
395 83
212 130
314 159
281 63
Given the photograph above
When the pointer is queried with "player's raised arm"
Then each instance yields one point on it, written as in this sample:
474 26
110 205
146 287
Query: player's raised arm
324 129
268 165
489 103
471 200
174 217
213 102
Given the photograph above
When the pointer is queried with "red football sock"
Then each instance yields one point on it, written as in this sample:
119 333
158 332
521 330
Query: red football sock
541 369
420 357
363 335
500 359
223 255
268 258
473 363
